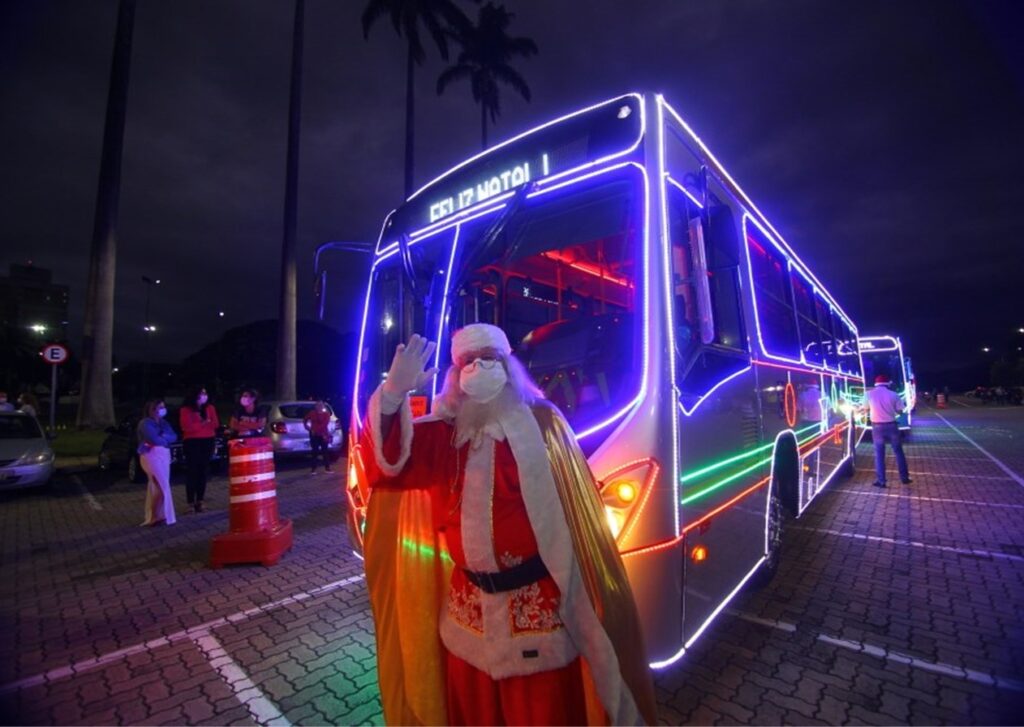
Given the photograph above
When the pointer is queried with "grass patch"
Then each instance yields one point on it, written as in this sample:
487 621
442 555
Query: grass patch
73 443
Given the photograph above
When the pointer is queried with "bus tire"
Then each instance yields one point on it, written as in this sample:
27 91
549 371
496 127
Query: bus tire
786 474
773 551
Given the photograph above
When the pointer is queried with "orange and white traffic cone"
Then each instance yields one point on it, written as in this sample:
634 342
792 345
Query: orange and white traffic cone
940 401
255 534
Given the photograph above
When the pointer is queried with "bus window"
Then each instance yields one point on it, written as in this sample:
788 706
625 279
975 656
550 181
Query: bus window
806 319
825 326
562 283
773 297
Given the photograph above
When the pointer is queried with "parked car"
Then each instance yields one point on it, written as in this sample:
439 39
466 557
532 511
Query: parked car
287 432
120 447
26 459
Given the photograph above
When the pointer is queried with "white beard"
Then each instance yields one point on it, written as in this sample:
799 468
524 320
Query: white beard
474 418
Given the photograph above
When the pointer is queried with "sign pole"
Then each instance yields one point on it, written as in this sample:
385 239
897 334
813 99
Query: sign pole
53 397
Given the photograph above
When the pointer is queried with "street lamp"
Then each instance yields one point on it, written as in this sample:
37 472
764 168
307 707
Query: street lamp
986 349
38 328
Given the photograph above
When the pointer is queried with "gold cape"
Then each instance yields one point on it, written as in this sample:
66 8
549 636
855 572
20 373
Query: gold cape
407 575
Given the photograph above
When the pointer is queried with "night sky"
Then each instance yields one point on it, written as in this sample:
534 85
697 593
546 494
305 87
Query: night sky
883 139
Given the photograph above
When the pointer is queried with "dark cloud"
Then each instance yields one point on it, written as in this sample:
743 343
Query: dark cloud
881 138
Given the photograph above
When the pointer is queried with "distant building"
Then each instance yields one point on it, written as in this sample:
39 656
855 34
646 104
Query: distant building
30 300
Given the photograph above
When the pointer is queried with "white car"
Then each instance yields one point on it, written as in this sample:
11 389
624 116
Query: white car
285 427
26 459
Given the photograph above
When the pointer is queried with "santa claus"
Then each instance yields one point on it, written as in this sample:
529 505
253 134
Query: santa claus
498 593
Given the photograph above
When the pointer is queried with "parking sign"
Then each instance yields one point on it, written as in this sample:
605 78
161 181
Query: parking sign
55 354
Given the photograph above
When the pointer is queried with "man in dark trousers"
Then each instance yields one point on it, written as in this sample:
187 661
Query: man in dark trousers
318 424
884 406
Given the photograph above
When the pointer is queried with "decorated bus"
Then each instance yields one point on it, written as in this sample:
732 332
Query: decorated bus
704 367
883 355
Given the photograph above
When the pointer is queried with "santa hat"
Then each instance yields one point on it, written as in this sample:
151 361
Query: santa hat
882 380
478 336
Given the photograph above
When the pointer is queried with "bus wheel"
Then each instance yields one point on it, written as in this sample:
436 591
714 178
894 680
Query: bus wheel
773 552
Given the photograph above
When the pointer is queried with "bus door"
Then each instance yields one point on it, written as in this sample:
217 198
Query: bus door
718 408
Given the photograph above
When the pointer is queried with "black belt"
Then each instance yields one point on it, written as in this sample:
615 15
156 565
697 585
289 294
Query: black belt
527 572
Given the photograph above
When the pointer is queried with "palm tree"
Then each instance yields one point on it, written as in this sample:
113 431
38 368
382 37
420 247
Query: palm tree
286 366
439 17
96 408
484 59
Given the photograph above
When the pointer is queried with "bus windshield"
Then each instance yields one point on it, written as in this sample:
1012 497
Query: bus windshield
877 363
556 270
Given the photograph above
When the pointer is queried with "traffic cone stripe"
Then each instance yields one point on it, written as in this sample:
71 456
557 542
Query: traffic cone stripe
258 477
252 457
265 495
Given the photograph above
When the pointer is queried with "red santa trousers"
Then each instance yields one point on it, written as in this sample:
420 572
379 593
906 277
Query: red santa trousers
552 697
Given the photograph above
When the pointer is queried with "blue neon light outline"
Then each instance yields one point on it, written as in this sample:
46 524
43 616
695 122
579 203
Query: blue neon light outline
712 390
893 339
672 180
791 254
578 112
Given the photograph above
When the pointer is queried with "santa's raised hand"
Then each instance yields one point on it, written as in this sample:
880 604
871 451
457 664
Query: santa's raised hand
407 367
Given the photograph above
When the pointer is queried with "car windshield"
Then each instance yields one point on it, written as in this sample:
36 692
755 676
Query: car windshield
298 411
19 427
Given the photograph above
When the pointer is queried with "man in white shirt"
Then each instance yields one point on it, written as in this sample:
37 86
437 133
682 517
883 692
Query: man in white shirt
885 406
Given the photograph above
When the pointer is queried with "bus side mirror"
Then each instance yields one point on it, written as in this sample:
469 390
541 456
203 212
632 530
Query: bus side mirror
700 278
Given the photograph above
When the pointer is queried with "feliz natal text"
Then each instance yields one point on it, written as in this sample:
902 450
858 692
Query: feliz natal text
501 182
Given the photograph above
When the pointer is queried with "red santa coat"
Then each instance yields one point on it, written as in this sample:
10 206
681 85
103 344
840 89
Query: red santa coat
521 488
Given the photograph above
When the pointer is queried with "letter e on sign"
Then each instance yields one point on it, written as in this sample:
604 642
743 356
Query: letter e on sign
55 354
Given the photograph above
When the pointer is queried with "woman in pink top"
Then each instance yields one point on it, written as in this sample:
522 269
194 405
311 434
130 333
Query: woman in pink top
199 425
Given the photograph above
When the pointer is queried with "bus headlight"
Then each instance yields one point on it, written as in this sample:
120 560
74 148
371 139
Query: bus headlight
616 519
625 491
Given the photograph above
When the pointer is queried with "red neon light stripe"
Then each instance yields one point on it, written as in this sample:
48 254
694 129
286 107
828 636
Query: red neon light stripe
675 541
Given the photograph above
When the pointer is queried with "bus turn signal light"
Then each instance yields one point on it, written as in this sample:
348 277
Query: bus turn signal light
699 554
626 491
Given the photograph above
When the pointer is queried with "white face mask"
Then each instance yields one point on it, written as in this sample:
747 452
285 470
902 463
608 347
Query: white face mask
161 412
482 384
203 398
246 401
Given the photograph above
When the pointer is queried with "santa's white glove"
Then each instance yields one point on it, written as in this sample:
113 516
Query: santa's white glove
407 372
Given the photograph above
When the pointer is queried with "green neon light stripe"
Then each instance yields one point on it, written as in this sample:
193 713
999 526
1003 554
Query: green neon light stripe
731 478
722 483
739 457
424 550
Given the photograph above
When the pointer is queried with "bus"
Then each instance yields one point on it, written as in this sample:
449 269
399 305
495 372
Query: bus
884 355
705 369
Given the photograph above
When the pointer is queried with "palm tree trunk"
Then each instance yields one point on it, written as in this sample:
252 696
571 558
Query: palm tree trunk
483 125
96 407
286 324
409 115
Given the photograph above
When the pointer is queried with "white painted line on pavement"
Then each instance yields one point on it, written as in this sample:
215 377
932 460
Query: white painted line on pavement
937 667
780 625
85 665
875 493
985 452
93 502
914 543
263 711
950 474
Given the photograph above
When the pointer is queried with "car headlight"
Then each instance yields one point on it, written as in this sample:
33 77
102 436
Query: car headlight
40 458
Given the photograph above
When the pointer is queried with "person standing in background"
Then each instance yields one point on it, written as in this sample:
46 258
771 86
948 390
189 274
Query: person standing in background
4 404
199 423
248 420
155 437
884 406
27 404
318 424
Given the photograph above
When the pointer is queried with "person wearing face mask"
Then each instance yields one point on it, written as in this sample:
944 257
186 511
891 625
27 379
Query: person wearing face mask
512 604
155 436
199 422
247 419
318 423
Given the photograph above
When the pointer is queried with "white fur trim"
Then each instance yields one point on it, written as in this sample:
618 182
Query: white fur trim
544 508
477 336
478 508
373 421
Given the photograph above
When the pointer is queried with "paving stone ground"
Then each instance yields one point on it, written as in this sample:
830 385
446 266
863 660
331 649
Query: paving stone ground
901 606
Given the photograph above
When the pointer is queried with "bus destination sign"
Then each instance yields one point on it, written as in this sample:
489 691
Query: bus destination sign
491 186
